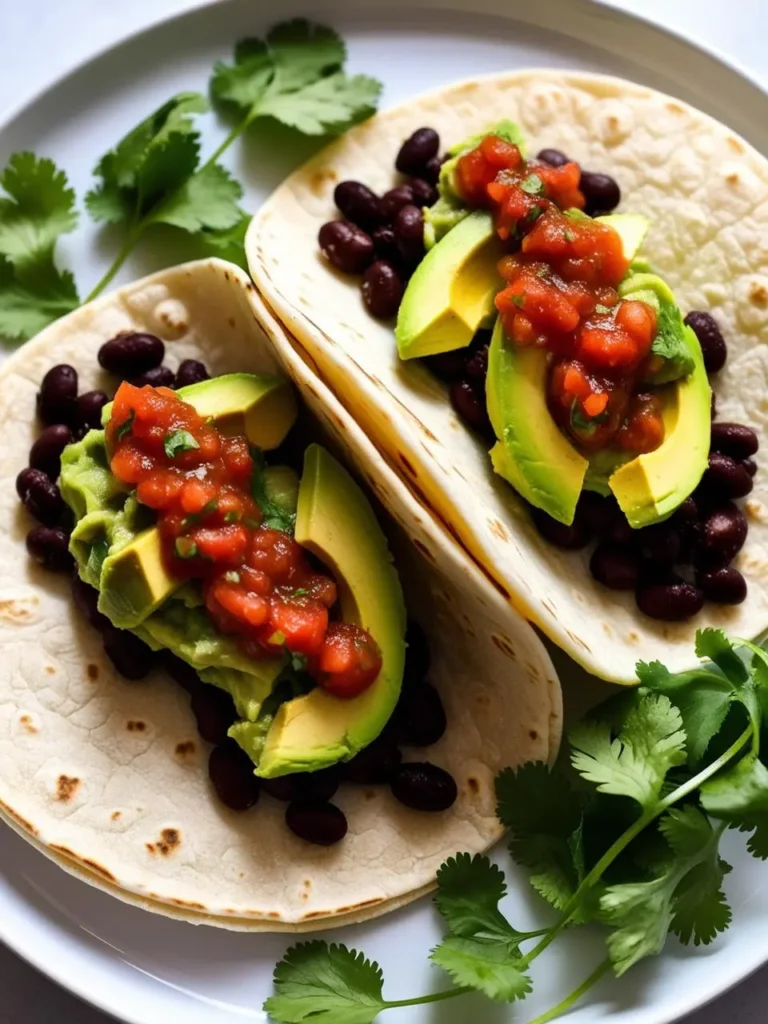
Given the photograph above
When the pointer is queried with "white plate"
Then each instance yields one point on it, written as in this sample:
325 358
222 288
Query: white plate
144 969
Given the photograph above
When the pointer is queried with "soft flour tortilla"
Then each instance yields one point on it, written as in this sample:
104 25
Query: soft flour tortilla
110 777
706 192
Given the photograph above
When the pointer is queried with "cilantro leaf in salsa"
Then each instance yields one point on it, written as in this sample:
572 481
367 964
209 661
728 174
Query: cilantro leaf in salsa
126 426
274 516
179 441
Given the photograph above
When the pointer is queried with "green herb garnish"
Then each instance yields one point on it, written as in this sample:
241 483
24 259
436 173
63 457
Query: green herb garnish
231 576
533 185
156 175
582 423
185 547
233 516
519 300
600 308
274 516
179 441
568 235
671 765
125 428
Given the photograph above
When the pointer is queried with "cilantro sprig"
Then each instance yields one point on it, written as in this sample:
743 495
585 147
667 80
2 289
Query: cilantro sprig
156 175
624 834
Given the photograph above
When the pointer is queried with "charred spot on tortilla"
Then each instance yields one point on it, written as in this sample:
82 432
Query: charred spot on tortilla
50 670
504 645
116 815
167 844
27 724
473 784
424 551
19 610
409 468
134 725
92 671
185 749
66 788
758 295
7 809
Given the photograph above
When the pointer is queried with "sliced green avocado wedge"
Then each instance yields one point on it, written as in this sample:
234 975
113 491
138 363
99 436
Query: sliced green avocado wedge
134 580
652 486
531 452
452 290
336 523
672 352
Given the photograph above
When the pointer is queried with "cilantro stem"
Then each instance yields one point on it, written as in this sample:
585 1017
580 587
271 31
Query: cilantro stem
124 252
570 1000
436 997
236 132
645 819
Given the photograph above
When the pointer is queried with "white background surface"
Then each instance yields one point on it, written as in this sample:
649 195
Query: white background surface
42 39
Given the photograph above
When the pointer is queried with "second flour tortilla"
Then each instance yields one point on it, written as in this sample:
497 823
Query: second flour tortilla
706 192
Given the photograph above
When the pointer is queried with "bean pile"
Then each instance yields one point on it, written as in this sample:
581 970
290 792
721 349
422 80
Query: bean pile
419 719
382 237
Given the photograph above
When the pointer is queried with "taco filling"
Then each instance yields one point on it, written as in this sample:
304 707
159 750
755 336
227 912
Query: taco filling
517 284
206 532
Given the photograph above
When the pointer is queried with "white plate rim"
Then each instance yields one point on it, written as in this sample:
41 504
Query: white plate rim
25 949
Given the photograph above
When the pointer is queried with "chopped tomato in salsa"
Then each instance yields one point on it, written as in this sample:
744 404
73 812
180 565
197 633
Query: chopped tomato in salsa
561 295
257 582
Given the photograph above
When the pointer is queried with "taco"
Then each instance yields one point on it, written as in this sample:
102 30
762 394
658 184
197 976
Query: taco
536 364
211 529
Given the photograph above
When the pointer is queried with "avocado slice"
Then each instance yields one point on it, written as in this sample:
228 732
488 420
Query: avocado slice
260 406
134 580
335 522
652 486
452 290
532 453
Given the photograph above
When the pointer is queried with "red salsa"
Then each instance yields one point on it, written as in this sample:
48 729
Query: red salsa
257 581
561 277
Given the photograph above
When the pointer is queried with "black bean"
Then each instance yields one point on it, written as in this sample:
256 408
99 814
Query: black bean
711 339
686 522
477 364
615 567
358 203
88 409
570 538
346 246
448 366
621 533
282 788
131 353
57 394
231 772
394 200
319 785
215 711
190 371
419 720
376 763
382 290
50 547
553 157
424 787
40 496
86 599
385 244
725 585
132 658
417 656
750 465
417 150
469 402
724 531
598 511
424 193
45 453
673 600
601 193
734 439
725 478
157 377
409 232
660 544
316 821
181 672
430 172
